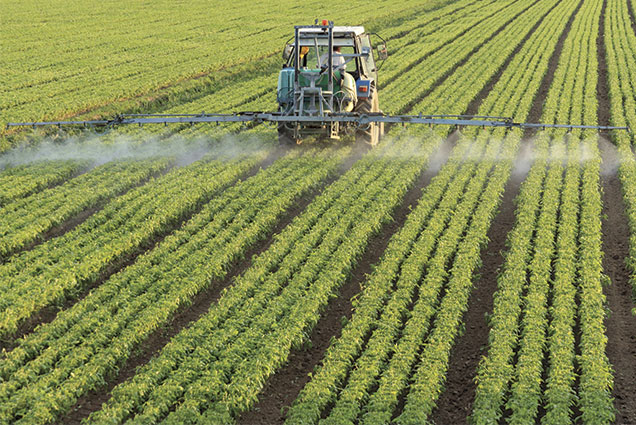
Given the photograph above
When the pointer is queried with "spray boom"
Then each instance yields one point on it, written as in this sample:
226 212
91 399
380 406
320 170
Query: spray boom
361 120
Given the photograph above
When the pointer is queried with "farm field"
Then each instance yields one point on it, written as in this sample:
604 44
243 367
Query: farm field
206 275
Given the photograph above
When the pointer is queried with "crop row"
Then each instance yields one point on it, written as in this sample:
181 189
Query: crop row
24 180
494 370
25 220
511 96
60 268
596 375
522 77
86 344
408 51
526 379
410 30
216 368
426 382
579 92
237 96
548 270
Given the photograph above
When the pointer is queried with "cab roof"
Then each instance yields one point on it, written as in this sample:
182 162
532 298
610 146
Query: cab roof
337 31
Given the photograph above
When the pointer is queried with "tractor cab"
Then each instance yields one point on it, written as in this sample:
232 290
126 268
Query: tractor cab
328 70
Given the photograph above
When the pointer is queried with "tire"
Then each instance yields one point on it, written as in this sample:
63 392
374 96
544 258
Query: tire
370 135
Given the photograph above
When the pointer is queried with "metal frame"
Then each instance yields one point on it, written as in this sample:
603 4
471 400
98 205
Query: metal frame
279 117
317 95
319 100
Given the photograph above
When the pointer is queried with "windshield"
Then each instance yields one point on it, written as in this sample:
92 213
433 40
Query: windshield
312 58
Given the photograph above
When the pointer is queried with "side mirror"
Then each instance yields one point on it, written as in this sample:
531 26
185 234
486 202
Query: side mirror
382 52
287 52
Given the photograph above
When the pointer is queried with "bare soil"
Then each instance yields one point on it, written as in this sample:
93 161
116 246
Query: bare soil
602 86
632 19
620 323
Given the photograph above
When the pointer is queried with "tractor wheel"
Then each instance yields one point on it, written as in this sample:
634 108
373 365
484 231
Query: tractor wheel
370 135
285 137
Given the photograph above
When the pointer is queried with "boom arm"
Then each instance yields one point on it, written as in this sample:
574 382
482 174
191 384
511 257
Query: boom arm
279 117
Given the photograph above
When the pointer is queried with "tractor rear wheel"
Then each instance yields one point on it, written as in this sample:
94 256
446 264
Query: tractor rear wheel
371 134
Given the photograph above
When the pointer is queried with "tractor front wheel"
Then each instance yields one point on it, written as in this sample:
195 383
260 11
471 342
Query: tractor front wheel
369 135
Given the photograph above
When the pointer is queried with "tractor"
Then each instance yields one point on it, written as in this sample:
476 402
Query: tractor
330 70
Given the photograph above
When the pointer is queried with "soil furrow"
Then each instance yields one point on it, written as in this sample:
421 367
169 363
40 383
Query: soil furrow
602 86
620 323
632 19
